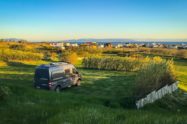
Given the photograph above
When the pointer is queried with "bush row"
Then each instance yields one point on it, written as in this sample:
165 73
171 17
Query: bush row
113 63
7 54
169 52
154 51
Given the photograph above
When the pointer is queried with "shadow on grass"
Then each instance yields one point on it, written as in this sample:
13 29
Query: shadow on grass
110 87
107 87
181 62
19 64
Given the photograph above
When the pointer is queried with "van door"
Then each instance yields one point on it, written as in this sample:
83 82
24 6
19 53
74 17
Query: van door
57 78
69 78
41 78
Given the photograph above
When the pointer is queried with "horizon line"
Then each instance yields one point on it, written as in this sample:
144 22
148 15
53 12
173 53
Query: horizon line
135 39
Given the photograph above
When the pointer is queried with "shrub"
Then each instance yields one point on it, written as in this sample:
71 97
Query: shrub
47 56
7 55
154 76
162 51
170 52
54 56
18 47
51 56
83 51
112 63
2 64
181 54
153 51
71 57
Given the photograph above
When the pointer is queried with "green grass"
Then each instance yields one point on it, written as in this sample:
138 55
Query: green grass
99 100
181 67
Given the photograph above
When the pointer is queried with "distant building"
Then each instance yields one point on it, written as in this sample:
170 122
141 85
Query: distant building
173 46
152 45
161 46
74 45
67 44
108 45
101 46
56 44
92 45
182 46
130 45
142 45
119 46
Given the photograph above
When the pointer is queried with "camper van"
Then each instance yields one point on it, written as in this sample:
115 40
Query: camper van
56 76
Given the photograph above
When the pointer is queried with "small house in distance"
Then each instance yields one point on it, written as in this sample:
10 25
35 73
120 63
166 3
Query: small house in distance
92 45
57 44
108 45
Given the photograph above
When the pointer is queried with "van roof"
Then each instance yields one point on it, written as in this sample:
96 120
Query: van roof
55 65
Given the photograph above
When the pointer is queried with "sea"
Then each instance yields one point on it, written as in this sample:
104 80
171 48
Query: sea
140 42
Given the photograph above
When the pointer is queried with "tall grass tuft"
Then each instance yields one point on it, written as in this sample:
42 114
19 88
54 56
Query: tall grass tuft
154 76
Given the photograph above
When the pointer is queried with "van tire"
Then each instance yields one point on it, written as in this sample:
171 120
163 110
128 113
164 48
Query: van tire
57 89
78 83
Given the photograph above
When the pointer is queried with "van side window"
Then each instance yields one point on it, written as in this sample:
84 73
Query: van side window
67 71
57 75
74 71
42 73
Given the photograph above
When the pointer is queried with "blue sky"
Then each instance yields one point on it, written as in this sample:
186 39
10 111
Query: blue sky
73 19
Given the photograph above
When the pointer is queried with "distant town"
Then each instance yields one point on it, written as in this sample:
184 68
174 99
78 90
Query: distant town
112 43
64 45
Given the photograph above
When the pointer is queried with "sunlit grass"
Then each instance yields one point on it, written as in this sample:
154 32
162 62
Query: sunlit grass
26 62
99 100
3 64
182 86
181 69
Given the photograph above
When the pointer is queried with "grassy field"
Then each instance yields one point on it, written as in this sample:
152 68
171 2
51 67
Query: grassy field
99 100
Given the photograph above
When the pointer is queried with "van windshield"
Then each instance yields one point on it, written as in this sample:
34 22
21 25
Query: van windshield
42 74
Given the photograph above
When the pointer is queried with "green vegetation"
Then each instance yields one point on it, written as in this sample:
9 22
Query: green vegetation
2 63
113 63
71 57
164 52
7 55
84 51
4 92
154 76
153 73
100 99
169 52
181 70
25 51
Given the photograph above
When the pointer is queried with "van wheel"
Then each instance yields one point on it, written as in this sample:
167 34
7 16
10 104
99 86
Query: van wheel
57 89
78 83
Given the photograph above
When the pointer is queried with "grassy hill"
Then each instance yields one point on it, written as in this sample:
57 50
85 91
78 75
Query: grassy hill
99 100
